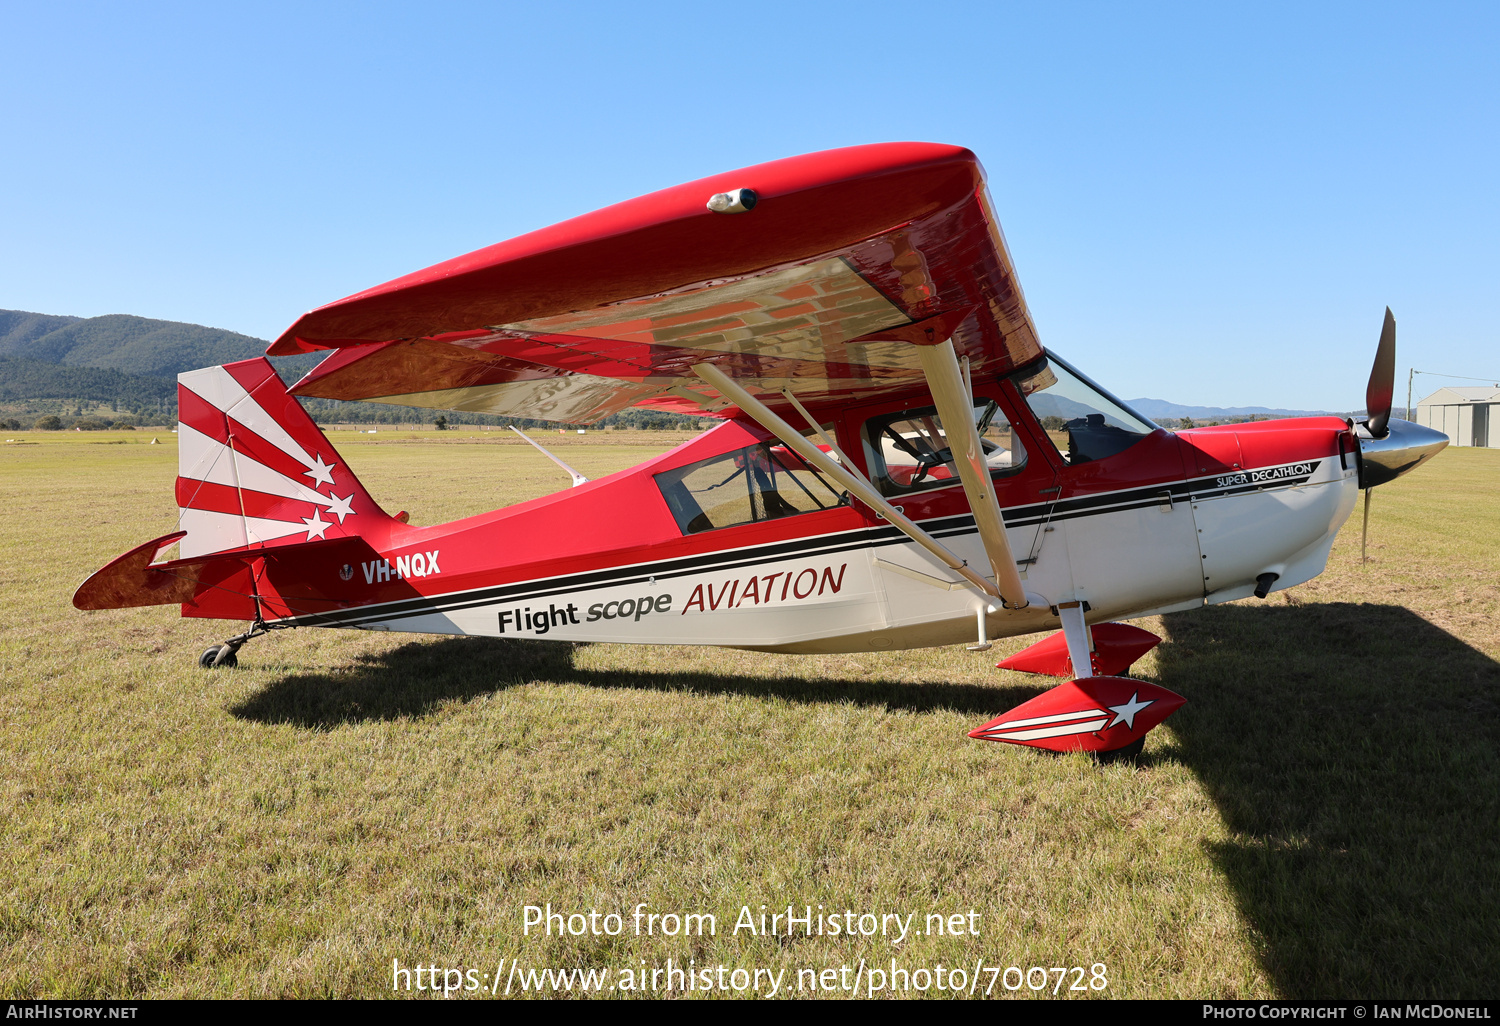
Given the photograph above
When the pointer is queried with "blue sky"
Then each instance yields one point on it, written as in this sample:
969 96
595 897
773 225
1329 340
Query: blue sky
1208 203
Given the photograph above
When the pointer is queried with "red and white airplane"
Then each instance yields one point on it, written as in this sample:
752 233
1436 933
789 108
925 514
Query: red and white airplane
900 463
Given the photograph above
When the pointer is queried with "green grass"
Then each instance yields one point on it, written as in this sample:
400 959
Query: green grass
1319 820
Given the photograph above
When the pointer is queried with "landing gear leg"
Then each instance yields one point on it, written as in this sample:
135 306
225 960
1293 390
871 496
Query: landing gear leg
1079 638
226 655
984 641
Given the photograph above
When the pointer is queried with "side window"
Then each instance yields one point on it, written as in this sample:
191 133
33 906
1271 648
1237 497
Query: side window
908 451
759 482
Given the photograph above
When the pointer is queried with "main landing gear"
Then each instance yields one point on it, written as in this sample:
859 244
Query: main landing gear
1129 753
1103 712
226 655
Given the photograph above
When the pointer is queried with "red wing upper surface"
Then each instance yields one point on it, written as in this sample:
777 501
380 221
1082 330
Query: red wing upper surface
848 258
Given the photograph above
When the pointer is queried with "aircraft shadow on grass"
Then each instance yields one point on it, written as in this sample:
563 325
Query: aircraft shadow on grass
414 679
1353 750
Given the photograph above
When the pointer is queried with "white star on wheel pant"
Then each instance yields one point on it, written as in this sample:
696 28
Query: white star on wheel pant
1126 713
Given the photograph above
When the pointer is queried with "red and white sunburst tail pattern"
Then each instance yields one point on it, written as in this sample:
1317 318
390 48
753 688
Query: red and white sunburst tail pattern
254 470
1091 714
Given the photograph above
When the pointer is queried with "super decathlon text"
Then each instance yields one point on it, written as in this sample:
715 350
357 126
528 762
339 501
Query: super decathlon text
1263 476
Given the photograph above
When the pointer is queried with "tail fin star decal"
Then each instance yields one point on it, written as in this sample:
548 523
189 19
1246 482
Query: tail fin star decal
339 507
315 526
320 472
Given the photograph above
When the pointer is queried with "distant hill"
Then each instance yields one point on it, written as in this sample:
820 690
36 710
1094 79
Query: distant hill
54 364
21 378
134 345
1159 409
19 328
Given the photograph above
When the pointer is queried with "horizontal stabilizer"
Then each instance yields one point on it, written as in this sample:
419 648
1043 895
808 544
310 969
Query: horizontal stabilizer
134 579
1116 648
1091 714
235 585
130 580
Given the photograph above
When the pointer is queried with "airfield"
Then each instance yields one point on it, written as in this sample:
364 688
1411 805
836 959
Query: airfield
1322 819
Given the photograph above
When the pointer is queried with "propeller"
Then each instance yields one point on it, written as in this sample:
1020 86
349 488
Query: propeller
1388 448
1378 394
1382 381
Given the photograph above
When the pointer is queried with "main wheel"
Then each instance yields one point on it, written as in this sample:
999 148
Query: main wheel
1131 751
208 660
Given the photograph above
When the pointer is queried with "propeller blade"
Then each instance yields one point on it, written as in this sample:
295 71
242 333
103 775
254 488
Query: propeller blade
1382 380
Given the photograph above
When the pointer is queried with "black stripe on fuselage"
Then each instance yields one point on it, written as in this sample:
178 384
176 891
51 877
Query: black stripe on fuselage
802 548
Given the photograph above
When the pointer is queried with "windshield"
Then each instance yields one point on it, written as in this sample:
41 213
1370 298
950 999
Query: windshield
1085 422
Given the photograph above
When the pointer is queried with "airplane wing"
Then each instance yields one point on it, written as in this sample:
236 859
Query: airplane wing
821 279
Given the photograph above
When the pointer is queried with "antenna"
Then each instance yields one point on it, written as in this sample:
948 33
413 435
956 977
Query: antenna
578 478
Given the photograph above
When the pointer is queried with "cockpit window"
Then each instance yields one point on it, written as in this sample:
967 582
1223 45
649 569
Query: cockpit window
1085 422
759 482
909 452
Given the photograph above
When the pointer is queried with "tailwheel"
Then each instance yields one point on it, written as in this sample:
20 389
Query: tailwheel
217 656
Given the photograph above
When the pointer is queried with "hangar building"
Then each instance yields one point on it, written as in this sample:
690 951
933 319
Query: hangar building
1467 415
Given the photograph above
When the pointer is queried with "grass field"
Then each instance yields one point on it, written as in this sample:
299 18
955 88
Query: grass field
1322 819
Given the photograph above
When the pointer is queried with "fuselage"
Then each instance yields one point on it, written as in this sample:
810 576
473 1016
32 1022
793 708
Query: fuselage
1171 521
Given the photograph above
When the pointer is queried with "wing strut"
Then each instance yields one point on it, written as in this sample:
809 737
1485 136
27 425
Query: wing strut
955 406
729 389
833 447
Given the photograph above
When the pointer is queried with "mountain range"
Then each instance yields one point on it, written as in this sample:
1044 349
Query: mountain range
131 345
1160 409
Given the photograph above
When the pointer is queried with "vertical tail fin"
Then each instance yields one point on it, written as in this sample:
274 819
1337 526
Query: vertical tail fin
253 469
